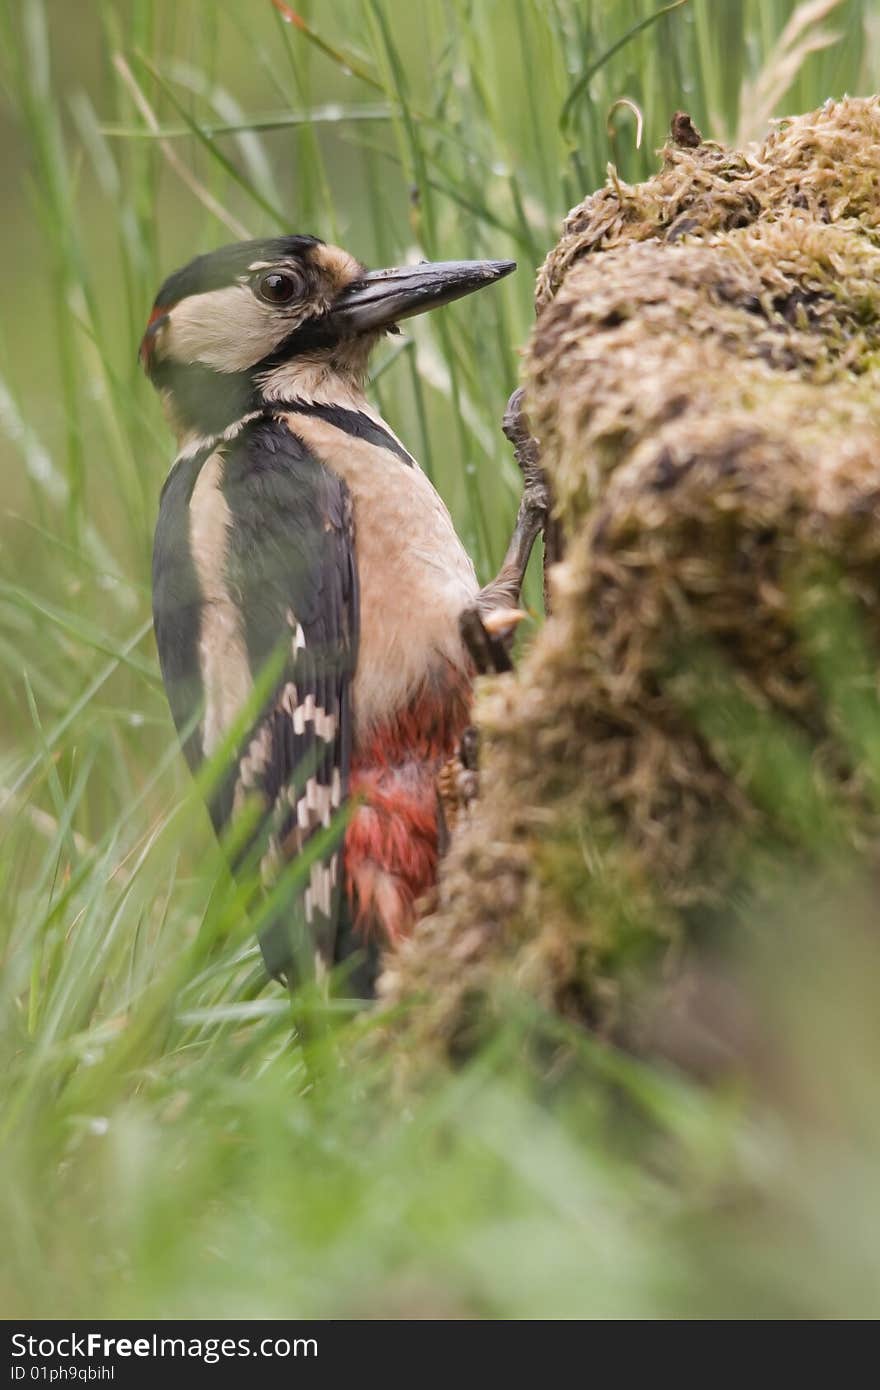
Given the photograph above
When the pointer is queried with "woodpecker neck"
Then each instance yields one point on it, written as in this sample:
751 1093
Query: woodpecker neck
203 404
317 381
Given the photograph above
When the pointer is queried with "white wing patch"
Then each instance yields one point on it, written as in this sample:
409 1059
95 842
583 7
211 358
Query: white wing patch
223 661
257 759
319 894
307 711
316 805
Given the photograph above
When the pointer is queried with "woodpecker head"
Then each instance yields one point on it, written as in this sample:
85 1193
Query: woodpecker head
280 318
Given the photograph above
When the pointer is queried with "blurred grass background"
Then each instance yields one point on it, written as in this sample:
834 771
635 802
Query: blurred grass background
165 1151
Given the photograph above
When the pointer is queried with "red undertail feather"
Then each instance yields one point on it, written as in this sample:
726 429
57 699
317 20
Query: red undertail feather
391 842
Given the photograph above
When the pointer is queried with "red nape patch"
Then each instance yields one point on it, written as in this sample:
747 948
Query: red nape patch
154 323
391 841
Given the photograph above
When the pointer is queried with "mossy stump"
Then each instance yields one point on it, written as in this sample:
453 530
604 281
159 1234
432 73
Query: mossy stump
703 379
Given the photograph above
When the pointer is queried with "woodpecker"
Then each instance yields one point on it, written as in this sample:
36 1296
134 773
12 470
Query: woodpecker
295 525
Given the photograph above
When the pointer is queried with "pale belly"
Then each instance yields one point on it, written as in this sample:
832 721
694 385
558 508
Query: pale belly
415 576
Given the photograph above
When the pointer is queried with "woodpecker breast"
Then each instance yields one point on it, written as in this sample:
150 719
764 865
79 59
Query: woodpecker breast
415 576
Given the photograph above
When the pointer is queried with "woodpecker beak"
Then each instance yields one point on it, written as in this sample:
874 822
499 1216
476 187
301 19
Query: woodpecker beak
381 297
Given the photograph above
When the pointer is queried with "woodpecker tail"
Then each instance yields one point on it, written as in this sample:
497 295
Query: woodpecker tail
358 958
288 938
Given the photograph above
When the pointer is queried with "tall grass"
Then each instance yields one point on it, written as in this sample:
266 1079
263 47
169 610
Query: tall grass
165 1150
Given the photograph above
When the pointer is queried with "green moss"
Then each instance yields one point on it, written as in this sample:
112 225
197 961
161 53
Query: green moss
701 378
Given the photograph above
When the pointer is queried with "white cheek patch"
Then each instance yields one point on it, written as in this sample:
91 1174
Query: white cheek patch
228 330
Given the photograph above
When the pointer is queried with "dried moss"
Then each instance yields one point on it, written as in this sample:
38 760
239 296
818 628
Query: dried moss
823 165
703 381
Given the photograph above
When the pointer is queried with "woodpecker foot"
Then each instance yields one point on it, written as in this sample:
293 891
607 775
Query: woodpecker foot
515 427
458 786
490 652
488 627
536 508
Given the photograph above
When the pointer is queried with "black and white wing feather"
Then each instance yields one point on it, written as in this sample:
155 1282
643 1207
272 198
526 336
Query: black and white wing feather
283 577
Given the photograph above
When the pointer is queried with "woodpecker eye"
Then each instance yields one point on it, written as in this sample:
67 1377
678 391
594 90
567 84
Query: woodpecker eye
279 287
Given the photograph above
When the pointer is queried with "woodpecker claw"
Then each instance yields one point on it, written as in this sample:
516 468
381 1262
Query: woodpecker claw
488 651
500 622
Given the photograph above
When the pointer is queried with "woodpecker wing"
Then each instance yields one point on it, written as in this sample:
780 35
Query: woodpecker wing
255 561
292 564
